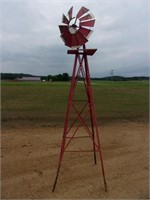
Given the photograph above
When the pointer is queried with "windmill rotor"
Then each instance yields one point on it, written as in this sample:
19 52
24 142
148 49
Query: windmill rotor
75 30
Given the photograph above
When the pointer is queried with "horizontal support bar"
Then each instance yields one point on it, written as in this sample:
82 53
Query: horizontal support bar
89 52
79 137
80 100
81 151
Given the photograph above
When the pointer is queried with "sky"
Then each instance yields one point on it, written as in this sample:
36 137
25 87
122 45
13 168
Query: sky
31 41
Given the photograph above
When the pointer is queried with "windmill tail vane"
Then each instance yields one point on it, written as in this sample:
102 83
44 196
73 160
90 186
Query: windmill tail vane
75 33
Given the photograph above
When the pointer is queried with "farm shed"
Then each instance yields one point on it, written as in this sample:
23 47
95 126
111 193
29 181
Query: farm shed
29 79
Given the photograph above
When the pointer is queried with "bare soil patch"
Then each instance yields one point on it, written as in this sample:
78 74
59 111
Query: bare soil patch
30 156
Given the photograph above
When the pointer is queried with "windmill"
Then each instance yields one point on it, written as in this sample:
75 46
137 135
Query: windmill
75 32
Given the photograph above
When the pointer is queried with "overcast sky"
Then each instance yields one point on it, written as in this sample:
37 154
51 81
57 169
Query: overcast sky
31 40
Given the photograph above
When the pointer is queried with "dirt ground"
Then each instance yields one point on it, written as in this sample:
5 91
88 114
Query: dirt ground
29 159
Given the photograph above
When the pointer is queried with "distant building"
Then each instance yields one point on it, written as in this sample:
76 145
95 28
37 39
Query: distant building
28 79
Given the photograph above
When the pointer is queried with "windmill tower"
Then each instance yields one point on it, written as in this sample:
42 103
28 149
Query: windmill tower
75 32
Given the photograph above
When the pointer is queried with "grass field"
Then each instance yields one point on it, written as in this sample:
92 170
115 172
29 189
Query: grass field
38 103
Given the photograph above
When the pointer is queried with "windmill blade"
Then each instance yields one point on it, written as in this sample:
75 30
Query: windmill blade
70 13
62 39
65 20
67 39
63 28
86 32
66 36
88 23
88 16
81 12
75 42
82 39
71 40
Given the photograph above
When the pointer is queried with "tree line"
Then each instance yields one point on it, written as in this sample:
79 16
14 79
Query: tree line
13 76
66 77
122 78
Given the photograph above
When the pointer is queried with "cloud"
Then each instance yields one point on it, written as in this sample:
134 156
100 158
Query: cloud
31 40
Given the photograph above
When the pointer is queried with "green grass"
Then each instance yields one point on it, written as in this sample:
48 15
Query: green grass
123 100
45 103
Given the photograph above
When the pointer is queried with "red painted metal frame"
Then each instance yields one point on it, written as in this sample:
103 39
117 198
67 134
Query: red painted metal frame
83 69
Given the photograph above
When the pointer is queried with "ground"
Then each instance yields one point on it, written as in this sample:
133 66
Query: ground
30 155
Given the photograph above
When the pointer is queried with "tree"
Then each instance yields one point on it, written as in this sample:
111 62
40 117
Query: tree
65 77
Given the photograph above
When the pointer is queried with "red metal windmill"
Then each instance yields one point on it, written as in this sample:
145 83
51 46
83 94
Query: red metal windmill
75 34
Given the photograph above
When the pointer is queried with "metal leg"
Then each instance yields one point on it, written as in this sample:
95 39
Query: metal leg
55 182
93 116
106 190
73 82
95 161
